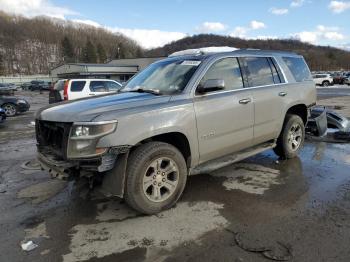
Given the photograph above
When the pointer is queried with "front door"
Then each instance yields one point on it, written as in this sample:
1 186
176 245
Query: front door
225 118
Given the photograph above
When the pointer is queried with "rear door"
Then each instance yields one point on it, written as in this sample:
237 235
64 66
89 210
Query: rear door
267 86
224 118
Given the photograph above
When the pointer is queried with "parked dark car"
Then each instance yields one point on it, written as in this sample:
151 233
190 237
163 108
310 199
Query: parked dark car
25 86
2 115
339 78
38 85
13 105
7 88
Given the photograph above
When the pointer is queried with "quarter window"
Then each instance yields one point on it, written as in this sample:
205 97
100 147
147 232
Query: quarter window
77 86
298 68
226 69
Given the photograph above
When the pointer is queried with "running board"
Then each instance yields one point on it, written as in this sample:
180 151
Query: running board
221 162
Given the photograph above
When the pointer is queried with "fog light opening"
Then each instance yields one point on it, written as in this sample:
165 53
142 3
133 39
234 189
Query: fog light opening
100 151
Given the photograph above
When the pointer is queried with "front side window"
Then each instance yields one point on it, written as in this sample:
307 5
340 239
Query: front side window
112 86
226 69
298 68
98 86
259 71
165 77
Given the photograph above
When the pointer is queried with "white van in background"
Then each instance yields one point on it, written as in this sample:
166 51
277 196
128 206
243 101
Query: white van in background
71 89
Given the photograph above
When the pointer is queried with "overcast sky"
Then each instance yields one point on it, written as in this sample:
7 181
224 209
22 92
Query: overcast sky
153 23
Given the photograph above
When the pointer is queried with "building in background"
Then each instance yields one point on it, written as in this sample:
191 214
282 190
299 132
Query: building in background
119 69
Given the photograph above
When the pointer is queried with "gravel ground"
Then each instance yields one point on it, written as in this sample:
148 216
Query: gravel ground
260 209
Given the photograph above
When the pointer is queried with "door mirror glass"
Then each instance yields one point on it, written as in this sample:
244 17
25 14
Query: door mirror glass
211 85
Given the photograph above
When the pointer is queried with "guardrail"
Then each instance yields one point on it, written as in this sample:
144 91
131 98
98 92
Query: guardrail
18 80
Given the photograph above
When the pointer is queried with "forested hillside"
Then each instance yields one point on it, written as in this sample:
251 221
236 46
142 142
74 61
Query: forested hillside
318 57
33 46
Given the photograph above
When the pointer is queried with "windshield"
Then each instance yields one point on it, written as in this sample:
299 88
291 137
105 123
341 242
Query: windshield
165 77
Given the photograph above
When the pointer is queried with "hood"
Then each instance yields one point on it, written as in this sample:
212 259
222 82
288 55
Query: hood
10 99
88 109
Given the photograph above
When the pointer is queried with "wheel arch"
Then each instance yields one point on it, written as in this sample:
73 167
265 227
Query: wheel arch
299 110
176 139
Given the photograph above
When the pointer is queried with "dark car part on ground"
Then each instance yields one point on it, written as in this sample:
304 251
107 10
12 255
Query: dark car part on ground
334 120
278 252
2 115
317 122
13 105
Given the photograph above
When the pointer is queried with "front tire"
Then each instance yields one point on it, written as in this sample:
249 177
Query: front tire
10 109
325 83
155 177
292 137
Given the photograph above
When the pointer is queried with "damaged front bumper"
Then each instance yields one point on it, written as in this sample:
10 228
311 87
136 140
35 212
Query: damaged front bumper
110 166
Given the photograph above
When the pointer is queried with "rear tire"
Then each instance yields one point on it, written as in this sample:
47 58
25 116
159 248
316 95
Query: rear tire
292 137
155 177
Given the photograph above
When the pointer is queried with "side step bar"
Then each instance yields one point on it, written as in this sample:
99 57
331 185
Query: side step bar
221 162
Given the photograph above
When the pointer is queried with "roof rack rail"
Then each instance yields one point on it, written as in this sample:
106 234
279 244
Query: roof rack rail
204 50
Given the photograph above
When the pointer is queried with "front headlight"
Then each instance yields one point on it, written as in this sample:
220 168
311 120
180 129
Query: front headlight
85 136
21 101
84 131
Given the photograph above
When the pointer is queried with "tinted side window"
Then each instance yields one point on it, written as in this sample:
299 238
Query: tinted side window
77 86
227 69
98 86
259 71
298 68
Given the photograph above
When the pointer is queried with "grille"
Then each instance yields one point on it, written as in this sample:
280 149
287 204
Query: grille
53 136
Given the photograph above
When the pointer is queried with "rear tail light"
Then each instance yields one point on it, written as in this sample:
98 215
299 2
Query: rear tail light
65 90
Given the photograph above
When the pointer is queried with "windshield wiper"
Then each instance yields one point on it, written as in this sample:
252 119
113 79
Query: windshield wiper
150 91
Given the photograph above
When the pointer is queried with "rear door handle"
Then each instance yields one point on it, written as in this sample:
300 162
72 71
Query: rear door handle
282 93
245 101
91 94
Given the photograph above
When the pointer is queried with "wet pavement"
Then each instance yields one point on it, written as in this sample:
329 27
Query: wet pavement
260 209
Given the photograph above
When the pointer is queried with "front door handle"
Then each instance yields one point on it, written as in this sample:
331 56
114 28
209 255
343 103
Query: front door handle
245 101
282 93
91 94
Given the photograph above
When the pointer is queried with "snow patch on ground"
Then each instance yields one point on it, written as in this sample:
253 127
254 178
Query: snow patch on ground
250 178
185 222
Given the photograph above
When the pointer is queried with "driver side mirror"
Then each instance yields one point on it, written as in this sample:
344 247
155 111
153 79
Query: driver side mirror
211 85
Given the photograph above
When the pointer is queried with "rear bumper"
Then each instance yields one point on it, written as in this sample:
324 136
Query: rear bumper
317 121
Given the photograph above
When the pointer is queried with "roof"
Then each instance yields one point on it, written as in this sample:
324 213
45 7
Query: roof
96 65
225 50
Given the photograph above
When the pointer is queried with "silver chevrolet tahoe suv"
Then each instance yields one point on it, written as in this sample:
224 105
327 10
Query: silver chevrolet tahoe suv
176 118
